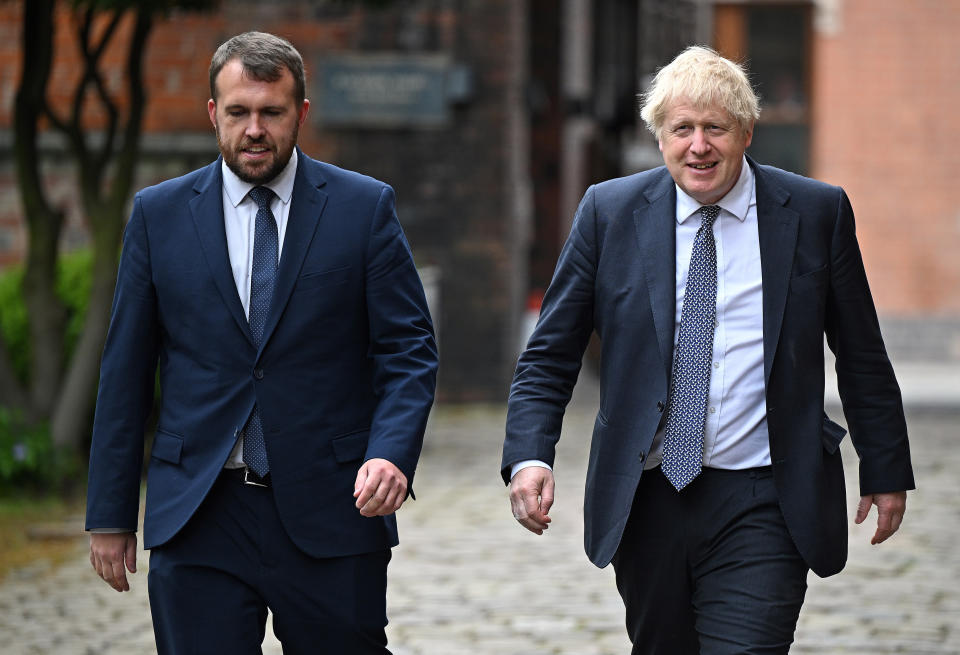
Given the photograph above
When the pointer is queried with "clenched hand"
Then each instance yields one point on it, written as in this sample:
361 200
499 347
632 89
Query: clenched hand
531 497
380 488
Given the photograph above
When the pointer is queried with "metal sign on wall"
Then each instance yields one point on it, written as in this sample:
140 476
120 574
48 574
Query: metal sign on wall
395 90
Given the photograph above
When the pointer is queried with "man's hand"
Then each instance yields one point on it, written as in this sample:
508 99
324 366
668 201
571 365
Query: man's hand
380 488
890 510
531 496
110 552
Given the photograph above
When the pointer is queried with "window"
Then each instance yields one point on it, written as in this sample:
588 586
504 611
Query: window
774 40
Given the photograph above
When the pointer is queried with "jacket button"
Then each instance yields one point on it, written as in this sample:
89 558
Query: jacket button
258 373
660 406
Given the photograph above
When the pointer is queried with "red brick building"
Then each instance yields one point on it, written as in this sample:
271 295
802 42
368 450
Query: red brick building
882 81
537 99
453 159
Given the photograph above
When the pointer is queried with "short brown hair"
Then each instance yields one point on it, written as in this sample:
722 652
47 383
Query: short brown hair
263 56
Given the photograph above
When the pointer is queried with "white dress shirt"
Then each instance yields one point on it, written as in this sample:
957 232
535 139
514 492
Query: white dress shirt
239 219
735 434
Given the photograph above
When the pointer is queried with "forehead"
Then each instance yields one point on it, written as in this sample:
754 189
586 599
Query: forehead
234 84
684 110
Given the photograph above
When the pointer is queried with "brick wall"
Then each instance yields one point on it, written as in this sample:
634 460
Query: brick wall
460 188
887 82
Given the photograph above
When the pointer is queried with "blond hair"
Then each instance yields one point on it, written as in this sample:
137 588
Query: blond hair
700 76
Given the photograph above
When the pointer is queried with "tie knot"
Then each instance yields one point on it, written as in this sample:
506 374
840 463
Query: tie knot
262 196
708 213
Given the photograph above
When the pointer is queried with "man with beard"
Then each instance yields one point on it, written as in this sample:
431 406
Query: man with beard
297 366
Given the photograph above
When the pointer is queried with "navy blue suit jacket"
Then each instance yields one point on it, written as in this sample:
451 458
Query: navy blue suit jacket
616 275
345 371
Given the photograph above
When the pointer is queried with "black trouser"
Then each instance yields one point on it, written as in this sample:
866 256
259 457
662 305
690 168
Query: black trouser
711 569
211 585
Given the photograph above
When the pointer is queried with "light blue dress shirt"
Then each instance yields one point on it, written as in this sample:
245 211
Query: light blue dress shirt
239 220
735 434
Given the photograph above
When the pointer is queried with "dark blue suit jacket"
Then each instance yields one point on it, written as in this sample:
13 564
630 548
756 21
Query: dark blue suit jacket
616 275
345 371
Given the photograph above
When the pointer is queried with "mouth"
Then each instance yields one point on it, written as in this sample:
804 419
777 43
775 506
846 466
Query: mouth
702 167
255 151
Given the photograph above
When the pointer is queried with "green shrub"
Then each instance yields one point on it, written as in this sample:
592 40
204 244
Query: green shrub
29 462
28 459
74 279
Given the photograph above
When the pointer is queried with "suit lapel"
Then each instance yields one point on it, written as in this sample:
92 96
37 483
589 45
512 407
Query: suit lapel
306 207
207 209
657 232
778 227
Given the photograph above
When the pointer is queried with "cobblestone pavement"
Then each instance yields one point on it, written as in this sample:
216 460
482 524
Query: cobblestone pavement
467 580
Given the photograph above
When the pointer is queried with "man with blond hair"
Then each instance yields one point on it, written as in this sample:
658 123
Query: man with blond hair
714 481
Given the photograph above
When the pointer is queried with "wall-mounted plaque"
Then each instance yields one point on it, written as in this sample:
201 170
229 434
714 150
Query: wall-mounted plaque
388 90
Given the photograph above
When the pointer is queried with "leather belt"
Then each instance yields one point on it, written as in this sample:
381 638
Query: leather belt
248 477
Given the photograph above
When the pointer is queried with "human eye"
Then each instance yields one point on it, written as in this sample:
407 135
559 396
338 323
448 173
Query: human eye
273 112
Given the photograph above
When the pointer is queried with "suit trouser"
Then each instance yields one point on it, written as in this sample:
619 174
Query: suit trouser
211 585
710 569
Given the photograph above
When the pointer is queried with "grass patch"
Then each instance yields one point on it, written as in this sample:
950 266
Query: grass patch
38 529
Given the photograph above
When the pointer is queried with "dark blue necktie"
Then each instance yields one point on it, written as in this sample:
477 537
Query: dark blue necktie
690 382
262 277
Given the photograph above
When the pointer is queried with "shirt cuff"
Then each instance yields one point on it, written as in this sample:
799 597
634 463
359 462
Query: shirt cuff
527 463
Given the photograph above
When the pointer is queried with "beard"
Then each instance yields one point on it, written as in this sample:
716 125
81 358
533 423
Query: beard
256 174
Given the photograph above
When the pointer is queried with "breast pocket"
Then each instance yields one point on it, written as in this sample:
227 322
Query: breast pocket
810 281
310 280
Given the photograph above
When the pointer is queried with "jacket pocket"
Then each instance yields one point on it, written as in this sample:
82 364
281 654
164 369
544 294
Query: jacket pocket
167 447
810 280
319 279
351 446
831 435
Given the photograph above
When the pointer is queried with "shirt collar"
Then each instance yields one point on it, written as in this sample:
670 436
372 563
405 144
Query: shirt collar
282 184
737 201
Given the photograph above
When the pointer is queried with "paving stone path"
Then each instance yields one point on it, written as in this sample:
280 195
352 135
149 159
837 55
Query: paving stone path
468 580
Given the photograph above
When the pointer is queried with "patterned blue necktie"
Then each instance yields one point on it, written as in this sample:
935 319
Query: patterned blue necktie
690 382
263 275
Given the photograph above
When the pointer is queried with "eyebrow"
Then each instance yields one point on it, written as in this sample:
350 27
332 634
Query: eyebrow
707 120
240 105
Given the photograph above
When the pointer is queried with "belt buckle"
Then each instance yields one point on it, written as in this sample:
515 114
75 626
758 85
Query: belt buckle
253 483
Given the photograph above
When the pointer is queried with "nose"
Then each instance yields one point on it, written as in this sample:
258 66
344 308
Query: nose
699 144
254 127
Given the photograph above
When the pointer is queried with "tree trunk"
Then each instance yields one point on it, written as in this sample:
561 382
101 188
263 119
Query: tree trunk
11 392
106 219
69 423
66 397
46 313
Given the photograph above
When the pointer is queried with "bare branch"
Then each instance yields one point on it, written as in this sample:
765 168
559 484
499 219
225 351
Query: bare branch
97 51
79 93
92 56
36 64
136 89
